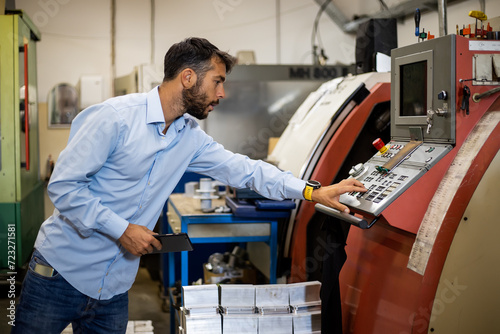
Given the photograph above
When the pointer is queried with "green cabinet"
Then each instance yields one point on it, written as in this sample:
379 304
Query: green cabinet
21 187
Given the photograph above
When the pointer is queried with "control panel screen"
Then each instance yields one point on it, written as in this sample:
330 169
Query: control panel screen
413 89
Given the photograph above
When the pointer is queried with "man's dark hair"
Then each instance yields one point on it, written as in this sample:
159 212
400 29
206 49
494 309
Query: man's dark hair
195 53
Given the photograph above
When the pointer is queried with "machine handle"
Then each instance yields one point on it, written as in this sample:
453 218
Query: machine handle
417 22
351 219
26 107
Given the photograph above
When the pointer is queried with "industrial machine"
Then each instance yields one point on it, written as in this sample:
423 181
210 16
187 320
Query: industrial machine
318 141
423 257
21 195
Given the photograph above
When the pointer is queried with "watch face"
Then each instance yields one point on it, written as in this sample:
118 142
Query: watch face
313 183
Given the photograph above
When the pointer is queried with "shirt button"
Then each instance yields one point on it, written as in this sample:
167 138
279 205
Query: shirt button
100 290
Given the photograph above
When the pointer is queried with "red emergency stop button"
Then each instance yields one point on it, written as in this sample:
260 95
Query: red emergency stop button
379 145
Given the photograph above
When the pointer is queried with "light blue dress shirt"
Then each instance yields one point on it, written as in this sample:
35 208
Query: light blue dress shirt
119 168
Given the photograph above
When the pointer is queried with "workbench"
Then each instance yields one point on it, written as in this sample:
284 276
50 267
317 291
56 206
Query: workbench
184 215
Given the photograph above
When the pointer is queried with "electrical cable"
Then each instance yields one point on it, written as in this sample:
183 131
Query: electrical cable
384 5
315 32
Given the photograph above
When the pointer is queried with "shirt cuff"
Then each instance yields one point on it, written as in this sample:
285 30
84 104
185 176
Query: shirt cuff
295 188
115 226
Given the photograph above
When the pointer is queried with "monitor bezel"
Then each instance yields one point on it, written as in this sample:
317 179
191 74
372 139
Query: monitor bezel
408 60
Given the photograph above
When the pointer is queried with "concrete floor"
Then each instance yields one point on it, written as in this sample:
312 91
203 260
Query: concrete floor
145 302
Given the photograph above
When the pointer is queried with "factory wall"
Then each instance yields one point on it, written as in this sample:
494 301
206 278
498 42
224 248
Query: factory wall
76 36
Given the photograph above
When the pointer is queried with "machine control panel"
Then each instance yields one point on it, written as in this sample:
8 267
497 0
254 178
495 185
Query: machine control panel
384 187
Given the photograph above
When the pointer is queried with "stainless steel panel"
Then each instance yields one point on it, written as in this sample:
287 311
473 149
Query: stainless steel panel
304 293
276 324
200 296
309 323
439 53
241 324
237 295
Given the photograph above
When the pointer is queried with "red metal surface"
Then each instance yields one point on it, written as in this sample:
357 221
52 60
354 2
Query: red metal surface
329 164
379 293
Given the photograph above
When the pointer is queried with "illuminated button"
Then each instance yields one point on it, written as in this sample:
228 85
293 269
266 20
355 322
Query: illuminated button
379 145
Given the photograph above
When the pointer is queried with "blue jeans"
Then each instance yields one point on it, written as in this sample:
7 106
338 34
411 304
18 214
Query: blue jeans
50 304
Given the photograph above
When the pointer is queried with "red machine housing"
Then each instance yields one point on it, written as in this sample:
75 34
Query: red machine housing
379 293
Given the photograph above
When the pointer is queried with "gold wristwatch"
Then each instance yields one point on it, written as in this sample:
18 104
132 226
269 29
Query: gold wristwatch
310 186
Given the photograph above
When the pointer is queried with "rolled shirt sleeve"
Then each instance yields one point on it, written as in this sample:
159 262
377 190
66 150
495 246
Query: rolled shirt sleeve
93 138
240 171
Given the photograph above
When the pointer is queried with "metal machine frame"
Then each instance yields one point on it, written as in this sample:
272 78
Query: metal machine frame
21 195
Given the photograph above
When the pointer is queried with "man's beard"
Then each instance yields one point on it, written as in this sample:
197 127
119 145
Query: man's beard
194 102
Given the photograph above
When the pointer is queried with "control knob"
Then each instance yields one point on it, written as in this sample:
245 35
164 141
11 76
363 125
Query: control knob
357 170
443 95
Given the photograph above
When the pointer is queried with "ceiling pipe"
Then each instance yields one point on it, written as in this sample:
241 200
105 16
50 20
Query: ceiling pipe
443 19
401 10
334 13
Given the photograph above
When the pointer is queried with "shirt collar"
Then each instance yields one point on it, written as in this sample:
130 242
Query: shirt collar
154 113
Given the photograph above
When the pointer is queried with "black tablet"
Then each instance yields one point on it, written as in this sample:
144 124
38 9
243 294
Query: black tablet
175 242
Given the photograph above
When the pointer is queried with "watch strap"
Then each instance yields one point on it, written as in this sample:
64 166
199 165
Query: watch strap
308 192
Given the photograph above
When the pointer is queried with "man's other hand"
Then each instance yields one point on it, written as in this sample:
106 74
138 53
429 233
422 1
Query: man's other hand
139 240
